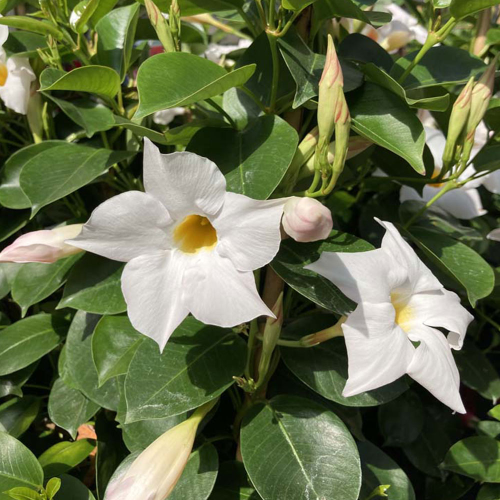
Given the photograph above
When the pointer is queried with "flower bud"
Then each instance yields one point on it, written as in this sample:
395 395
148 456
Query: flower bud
306 219
155 472
160 25
494 235
47 245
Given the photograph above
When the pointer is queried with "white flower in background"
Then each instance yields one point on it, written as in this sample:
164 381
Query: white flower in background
215 51
16 76
462 203
494 235
47 245
306 219
166 116
400 304
189 245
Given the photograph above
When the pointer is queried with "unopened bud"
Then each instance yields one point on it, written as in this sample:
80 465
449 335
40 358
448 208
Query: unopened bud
160 25
48 245
306 219
175 22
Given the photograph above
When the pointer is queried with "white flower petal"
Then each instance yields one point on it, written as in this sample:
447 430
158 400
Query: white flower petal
153 289
441 309
248 230
16 91
126 226
433 367
494 235
420 277
219 294
462 203
492 182
184 182
362 276
436 141
379 351
4 33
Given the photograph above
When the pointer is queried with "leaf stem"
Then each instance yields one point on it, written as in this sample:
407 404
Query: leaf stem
276 69
222 112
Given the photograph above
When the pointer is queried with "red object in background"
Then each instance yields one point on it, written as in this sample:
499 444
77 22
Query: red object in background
469 399
158 49
72 65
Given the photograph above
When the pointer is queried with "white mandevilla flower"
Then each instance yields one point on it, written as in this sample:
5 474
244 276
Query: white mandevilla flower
494 235
166 116
16 76
462 203
306 219
47 245
189 245
400 304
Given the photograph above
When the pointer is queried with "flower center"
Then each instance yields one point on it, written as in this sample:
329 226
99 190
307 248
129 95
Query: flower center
195 233
404 313
3 74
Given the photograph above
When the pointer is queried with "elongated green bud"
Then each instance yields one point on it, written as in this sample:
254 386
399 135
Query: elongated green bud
160 25
458 120
175 22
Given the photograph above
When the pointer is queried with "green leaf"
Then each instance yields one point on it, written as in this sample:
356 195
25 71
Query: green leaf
80 365
91 116
457 260
380 77
116 31
11 384
94 285
293 256
296 5
65 455
378 468
380 116
401 421
102 9
462 8
323 368
233 483
11 194
23 493
159 76
254 160
476 457
62 170
495 412
453 487
69 408
362 49
440 66
95 79
488 158
33 25
197 365
18 466
477 372
198 478
299 440
16 415
53 486
114 344
140 130
488 428
23 44
36 281
28 340
73 489
327 9
489 492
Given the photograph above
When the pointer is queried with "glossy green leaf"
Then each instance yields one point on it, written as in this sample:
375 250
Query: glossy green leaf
440 66
61 170
114 344
453 487
457 260
362 49
462 8
158 78
140 130
476 457
102 9
327 9
80 365
18 466
73 489
488 428
95 79
81 14
296 5
94 286
495 412
91 116
17 414
293 256
28 340
23 493
380 116
36 281
33 25
378 468
116 31
23 43
254 160
294 448
65 455
401 421
323 368
489 492
11 194
488 158
197 365
69 408
477 372
233 483
52 487
12 383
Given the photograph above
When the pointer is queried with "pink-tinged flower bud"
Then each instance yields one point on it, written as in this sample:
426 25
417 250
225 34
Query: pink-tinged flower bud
306 219
155 472
47 245
494 235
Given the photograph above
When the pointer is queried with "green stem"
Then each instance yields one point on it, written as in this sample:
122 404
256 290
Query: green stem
288 24
276 69
254 98
252 337
272 14
222 112
248 22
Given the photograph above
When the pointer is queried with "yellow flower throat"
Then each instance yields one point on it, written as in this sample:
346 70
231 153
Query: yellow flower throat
195 233
3 74
404 313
